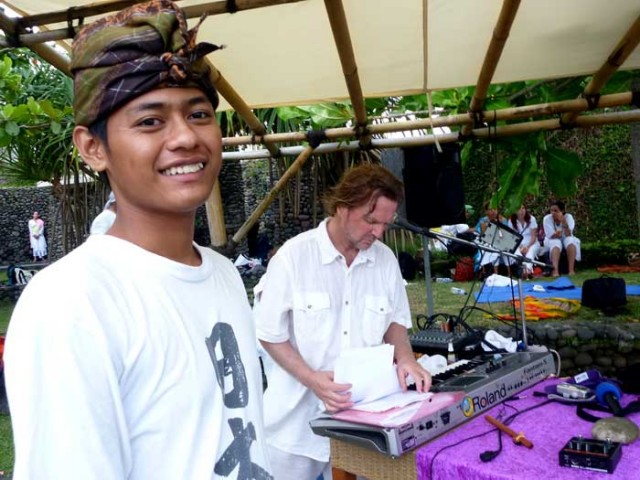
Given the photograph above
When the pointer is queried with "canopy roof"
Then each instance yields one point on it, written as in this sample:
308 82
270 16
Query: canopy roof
286 53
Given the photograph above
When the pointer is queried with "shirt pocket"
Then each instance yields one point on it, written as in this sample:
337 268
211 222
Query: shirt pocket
311 316
377 315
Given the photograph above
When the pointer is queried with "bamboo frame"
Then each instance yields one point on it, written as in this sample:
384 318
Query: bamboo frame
340 29
266 201
621 52
335 11
94 9
514 113
492 57
584 121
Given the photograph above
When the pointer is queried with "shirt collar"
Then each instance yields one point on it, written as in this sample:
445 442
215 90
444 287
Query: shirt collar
329 253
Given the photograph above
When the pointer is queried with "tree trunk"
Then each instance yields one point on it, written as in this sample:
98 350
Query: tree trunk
635 153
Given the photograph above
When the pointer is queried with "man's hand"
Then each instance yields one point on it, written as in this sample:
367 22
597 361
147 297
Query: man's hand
335 396
411 367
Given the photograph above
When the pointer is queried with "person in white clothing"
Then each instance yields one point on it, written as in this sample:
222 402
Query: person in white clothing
328 289
143 364
526 225
36 237
558 232
103 221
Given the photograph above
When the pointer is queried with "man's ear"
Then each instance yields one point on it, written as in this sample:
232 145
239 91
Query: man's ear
92 150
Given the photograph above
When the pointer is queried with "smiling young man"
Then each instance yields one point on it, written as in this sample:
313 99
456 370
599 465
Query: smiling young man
144 365
328 289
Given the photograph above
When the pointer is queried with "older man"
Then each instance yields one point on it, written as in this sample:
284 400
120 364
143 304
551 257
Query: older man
327 290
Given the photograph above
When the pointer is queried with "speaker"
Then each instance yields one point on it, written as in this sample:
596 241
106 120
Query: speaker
434 191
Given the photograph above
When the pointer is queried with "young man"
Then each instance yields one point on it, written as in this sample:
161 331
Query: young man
143 364
327 290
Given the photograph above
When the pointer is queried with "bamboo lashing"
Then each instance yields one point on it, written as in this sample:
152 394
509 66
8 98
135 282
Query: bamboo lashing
513 113
629 116
518 438
621 52
491 59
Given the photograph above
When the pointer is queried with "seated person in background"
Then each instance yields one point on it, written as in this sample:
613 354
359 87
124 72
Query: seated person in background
526 225
484 257
558 232
459 230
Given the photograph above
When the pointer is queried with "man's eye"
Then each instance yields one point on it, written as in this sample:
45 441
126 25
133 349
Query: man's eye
201 114
148 122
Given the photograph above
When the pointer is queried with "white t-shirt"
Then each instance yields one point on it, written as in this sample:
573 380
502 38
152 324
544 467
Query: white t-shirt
311 298
103 221
122 364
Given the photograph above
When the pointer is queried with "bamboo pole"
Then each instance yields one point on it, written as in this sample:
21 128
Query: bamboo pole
340 29
584 121
492 57
266 201
215 217
621 52
240 106
77 13
52 56
513 113
100 8
7 24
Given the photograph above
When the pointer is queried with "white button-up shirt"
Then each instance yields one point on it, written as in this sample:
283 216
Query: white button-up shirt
310 297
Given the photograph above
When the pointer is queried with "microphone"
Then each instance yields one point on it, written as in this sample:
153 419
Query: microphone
609 394
400 222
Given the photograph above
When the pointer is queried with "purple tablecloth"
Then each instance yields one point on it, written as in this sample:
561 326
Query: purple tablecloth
549 428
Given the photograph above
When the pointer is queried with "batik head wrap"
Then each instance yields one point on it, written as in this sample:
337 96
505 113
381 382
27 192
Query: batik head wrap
128 54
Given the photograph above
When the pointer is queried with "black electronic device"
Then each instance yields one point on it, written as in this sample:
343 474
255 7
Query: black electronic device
591 454
433 186
486 381
433 341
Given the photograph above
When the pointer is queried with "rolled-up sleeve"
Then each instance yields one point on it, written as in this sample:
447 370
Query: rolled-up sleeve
272 310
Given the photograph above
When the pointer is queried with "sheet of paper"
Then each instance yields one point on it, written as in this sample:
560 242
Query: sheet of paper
398 399
370 371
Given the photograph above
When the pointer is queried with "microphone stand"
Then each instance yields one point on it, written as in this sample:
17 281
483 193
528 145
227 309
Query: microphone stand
519 260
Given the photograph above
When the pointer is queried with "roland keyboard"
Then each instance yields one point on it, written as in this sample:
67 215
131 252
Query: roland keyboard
479 383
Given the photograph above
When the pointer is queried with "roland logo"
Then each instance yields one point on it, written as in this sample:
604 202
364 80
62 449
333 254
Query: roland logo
471 405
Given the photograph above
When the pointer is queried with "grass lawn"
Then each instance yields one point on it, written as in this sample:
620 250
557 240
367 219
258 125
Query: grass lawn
444 302
6 442
448 303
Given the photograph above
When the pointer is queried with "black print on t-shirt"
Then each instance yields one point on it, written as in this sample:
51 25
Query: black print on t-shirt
230 372
238 453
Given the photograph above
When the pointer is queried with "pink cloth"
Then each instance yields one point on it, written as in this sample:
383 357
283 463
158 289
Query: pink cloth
549 428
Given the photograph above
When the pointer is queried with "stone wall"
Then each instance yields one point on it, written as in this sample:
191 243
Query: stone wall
604 343
16 209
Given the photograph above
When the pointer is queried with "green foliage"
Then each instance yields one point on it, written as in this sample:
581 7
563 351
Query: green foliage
616 252
36 120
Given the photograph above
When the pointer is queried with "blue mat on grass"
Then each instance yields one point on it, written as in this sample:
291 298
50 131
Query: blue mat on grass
561 287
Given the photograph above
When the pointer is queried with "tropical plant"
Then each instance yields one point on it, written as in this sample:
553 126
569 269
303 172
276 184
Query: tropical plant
36 125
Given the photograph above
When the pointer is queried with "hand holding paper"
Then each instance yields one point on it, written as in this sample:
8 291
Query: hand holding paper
373 376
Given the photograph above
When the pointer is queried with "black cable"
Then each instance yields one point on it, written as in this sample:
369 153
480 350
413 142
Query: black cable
493 453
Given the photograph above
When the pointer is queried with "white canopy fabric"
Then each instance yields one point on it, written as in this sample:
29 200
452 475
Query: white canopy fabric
286 54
